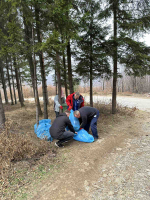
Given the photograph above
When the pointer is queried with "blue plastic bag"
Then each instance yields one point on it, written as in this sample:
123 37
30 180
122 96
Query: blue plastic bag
42 131
74 121
83 136
46 121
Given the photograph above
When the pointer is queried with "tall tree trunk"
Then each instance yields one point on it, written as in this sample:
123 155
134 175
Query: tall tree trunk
91 76
135 89
12 101
69 69
122 86
44 87
18 83
114 94
91 87
91 58
21 86
58 78
3 82
28 36
2 114
118 86
65 79
103 84
13 84
40 53
36 89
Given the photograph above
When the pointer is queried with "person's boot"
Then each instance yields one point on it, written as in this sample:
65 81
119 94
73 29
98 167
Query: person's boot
57 144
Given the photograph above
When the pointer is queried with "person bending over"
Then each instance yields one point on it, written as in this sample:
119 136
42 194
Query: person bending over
57 130
88 116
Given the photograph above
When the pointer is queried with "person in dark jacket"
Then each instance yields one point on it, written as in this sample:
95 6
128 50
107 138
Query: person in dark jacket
75 101
57 130
88 116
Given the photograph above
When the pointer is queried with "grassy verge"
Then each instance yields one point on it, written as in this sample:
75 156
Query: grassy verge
25 159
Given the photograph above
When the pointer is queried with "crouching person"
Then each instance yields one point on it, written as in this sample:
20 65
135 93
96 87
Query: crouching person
57 130
88 116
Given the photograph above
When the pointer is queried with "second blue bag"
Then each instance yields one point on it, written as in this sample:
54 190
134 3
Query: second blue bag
74 121
42 131
83 136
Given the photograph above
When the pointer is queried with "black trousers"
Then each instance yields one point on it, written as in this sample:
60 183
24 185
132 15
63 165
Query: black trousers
65 137
57 114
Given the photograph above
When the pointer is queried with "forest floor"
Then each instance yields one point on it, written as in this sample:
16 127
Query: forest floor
117 166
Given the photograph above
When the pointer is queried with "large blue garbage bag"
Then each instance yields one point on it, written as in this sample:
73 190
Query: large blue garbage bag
74 121
83 136
46 121
42 131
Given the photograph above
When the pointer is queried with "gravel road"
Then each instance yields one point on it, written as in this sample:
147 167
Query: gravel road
127 173
140 103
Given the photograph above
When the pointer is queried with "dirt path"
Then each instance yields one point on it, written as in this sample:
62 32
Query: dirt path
117 166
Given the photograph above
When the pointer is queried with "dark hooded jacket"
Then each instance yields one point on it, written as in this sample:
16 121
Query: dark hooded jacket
59 125
87 113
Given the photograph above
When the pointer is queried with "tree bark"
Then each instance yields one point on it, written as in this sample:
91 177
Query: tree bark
40 53
44 87
36 91
69 69
13 85
91 87
122 86
12 101
18 83
3 82
114 94
91 58
58 79
103 84
21 85
91 76
65 79
2 114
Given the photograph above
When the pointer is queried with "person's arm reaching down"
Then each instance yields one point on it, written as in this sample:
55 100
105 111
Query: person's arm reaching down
84 122
70 126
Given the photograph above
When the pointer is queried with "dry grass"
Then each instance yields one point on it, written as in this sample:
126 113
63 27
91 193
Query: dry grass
97 90
20 149
16 146
106 108
23 154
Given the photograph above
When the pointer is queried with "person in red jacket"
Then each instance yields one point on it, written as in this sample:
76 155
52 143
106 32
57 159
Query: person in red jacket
75 101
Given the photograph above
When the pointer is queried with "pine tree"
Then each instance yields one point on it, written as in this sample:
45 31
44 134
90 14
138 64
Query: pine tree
41 58
92 59
130 18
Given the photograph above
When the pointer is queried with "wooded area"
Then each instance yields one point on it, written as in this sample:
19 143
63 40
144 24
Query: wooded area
78 40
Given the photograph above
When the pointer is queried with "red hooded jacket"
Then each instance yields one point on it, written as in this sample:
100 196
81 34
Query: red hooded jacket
69 100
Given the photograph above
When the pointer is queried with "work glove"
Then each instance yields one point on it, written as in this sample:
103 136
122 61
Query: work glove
61 107
70 107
